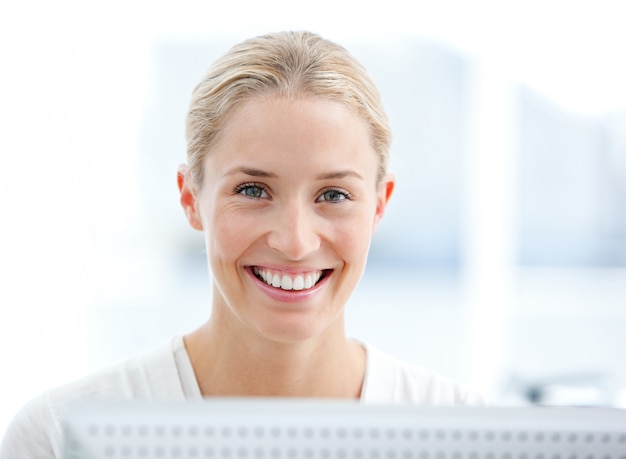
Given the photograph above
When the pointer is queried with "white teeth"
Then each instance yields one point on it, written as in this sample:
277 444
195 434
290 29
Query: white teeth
308 281
298 283
285 282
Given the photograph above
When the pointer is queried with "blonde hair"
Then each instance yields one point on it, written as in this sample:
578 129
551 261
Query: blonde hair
289 64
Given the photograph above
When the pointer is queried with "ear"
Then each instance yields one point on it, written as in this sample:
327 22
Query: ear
188 197
385 190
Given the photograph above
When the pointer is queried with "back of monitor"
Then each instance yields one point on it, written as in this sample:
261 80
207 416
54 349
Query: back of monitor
310 429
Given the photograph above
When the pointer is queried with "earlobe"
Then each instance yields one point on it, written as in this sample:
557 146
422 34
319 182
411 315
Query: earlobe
188 199
384 194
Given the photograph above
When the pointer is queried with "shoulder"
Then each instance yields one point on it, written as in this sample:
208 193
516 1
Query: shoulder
35 432
389 380
151 374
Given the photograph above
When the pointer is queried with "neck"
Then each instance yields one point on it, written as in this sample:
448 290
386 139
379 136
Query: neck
229 364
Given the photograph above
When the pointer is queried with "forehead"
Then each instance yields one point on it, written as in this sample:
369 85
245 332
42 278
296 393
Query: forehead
278 130
286 111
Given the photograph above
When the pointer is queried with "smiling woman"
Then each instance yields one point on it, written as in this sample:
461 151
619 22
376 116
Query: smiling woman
290 191
287 179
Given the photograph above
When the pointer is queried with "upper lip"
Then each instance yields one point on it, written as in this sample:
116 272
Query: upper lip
293 271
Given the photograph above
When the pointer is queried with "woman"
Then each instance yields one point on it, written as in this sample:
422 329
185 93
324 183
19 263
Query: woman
287 146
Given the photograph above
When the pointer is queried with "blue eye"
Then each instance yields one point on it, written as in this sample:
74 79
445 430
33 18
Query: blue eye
251 190
333 195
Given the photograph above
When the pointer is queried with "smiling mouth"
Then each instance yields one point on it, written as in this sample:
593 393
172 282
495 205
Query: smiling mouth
284 281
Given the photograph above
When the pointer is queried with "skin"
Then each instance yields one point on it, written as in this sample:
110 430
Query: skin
290 187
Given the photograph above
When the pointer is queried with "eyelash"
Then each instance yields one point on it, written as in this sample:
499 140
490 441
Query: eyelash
245 186
341 192
239 189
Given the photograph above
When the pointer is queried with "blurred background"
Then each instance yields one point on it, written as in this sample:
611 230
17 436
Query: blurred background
501 261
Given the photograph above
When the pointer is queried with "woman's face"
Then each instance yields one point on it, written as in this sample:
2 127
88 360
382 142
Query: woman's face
288 208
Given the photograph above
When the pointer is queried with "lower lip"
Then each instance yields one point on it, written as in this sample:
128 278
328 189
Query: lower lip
288 296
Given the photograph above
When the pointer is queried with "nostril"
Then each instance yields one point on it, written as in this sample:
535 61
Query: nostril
295 241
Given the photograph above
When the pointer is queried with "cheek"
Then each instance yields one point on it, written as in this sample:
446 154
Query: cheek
231 234
352 239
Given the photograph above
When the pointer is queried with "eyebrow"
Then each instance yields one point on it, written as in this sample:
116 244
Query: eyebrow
340 174
251 172
264 174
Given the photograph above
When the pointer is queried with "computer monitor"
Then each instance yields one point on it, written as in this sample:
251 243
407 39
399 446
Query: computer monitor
325 429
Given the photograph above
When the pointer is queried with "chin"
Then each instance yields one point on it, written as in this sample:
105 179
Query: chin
298 329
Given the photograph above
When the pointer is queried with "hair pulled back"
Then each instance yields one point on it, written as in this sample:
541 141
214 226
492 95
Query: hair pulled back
285 64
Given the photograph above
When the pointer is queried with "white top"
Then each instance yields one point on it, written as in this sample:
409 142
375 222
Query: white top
166 373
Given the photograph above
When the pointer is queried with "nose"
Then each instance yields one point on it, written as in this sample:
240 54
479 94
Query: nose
294 231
